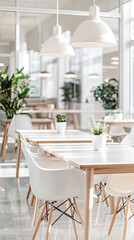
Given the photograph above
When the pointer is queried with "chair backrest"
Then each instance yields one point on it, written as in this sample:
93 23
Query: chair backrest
128 140
19 122
91 122
53 184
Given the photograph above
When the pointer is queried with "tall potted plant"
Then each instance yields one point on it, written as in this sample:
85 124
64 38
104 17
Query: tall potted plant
70 91
99 136
61 123
13 92
107 93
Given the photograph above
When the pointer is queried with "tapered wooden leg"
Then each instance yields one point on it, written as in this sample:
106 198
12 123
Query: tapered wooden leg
36 211
106 201
5 139
13 152
78 212
28 193
111 199
18 156
74 225
126 219
114 216
39 221
49 222
32 200
88 203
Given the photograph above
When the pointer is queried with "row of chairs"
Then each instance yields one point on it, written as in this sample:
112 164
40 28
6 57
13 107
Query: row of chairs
55 182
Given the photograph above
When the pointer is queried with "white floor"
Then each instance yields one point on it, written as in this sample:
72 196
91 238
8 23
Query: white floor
16 213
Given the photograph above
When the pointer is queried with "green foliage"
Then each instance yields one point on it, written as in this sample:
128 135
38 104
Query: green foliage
98 129
13 92
107 94
61 118
68 91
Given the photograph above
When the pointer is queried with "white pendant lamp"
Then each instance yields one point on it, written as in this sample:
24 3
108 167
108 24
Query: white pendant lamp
93 32
70 75
57 45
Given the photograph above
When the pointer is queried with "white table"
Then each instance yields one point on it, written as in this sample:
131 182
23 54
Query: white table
50 136
114 159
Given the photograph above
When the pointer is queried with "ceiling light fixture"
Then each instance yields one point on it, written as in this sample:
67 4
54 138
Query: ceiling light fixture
94 76
93 32
70 75
57 45
115 58
45 74
114 63
2 64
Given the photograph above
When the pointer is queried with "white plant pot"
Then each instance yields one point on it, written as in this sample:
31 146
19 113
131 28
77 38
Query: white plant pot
118 116
99 141
60 127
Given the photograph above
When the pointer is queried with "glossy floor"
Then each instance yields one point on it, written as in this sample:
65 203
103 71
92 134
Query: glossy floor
16 213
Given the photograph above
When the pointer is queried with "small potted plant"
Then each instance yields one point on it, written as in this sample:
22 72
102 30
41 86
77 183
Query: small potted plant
118 114
61 123
99 136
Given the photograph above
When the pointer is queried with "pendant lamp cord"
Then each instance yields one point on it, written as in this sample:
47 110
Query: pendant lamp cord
94 2
57 16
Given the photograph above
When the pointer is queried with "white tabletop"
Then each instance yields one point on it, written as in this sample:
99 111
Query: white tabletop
84 156
53 136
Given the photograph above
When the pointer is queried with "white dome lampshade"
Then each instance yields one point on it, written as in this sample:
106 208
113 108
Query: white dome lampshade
57 45
93 32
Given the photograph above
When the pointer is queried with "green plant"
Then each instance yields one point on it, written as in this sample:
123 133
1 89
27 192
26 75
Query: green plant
107 93
118 110
98 129
61 118
70 91
13 92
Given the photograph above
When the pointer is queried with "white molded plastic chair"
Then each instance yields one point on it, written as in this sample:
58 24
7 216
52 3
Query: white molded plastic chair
19 122
128 140
53 184
121 186
116 131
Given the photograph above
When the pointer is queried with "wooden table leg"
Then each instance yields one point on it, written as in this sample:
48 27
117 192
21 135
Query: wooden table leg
4 144
111 199
18 156
88 203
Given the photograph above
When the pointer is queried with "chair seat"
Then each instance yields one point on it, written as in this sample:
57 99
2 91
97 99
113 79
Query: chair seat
120 185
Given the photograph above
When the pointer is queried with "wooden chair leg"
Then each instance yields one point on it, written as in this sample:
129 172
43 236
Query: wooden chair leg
114 216
18 156
74 225
49 222
28 193
126 219
32 199
36 211
106 201
5 139
78 212
39 221
13 152
112 208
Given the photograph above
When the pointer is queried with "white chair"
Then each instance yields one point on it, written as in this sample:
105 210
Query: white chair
128 140
21 121
43 160
121 186
116 131
52 185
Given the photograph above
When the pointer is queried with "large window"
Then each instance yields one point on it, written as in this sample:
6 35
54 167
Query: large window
31 25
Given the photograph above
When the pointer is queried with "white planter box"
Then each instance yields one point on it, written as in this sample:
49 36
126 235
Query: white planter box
60 127
99 141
